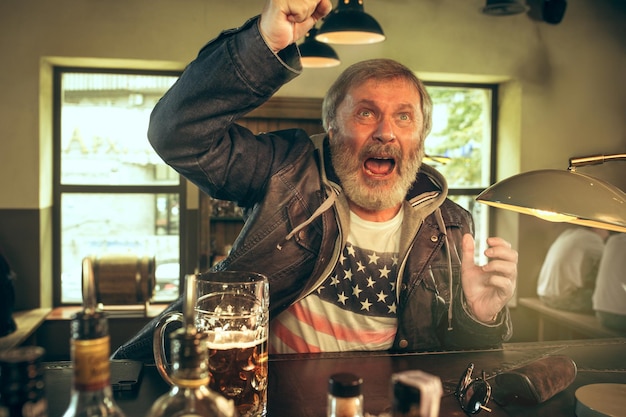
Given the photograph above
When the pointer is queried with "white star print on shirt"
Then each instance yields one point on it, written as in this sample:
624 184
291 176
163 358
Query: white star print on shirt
364 282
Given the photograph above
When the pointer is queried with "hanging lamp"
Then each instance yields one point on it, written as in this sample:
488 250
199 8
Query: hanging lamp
349 24
315 54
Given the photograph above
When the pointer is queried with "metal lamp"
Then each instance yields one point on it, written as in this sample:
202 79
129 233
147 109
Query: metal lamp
349 24
315 54
563 196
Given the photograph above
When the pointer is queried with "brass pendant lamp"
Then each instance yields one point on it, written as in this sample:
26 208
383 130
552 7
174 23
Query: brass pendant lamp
563 196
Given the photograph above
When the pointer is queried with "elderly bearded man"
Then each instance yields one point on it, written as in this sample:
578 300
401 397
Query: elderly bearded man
362 248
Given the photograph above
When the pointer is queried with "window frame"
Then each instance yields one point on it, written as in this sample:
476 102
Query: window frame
60 189
473 192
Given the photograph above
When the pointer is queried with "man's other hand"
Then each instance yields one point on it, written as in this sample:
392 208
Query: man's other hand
489 287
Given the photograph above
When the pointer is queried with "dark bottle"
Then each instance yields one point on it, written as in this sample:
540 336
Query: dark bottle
22 386
92 395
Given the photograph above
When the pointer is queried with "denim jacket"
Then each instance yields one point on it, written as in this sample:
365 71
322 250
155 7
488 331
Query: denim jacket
296 216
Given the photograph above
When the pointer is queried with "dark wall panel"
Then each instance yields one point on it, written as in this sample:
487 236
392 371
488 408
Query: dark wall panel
20 243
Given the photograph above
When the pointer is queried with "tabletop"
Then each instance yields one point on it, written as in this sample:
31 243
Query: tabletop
298 383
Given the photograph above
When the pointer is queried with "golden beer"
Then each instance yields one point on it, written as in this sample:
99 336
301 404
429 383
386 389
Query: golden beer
239 372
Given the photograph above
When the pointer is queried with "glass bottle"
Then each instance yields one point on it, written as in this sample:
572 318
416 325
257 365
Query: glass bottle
190 395
22 386
344 396
92 395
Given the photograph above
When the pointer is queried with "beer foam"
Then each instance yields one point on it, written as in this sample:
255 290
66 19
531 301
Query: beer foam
233 340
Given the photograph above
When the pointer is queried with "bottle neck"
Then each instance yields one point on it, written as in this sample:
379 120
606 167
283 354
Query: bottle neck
187 382
190 360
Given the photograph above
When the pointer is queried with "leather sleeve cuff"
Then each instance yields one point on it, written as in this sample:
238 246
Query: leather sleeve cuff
253 61
468 332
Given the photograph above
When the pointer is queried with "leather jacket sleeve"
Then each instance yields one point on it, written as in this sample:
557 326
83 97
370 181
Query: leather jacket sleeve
193 129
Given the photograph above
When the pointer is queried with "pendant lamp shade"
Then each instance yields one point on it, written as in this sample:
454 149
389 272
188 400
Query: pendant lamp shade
315 54
349 24
504 7
561 196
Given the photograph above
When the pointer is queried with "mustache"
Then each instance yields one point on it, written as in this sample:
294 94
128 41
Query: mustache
377 150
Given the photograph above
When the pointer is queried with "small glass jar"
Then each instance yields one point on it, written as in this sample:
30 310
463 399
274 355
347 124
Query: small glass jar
344 396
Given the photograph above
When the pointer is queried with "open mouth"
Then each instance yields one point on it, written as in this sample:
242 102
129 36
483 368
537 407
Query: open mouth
380 166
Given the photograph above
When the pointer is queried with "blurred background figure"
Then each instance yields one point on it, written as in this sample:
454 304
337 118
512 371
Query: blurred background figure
609 297
568 274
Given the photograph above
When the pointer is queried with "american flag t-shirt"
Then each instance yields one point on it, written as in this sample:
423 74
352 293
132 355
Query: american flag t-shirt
355 307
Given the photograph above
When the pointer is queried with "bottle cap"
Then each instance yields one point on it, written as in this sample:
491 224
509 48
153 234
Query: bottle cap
344 385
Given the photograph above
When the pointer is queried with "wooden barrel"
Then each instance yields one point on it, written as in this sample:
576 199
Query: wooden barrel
122 279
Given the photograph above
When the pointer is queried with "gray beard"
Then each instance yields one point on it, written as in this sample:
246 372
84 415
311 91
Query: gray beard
370 194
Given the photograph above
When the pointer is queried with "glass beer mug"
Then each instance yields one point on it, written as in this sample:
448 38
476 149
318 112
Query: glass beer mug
232 308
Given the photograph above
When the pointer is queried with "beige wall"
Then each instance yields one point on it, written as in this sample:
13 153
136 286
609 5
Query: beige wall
565 90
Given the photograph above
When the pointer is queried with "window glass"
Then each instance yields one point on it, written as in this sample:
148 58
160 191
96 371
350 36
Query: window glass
96 224
104 119
462 135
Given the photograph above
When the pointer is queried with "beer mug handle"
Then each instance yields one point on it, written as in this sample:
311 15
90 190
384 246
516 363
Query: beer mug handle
158 344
